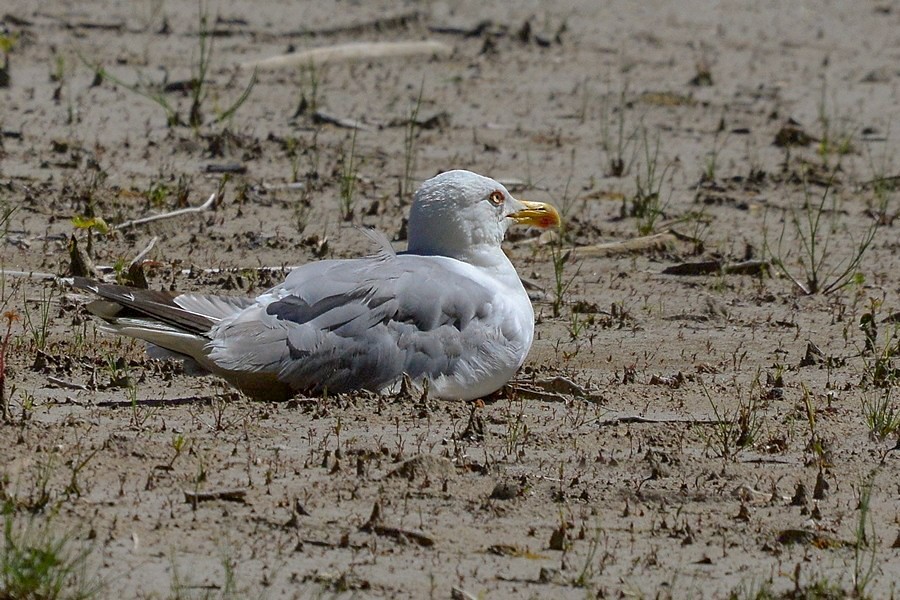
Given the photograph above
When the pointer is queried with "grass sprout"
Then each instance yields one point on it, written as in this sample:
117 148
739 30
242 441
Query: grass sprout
881 414
410 144
815 226
735 429
348 179
198 86
865 548
38 323
37 562
646 204
614 140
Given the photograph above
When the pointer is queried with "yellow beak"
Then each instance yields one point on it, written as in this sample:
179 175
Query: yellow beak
536 214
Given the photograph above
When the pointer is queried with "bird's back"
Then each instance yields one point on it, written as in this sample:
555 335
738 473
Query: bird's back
364 323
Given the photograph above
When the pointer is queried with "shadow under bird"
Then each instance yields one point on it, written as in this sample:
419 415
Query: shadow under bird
450 310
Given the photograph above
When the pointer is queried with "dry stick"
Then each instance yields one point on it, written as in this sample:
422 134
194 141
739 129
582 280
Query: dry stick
30 274
140 256
657 241
350 52
654 420
747 267
460 594
374 525
399 533
533 394
175 213
69 385
474 30
556 389
328 119
295 185
227 495
708 267
704 267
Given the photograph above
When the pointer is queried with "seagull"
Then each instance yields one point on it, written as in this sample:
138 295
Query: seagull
451 310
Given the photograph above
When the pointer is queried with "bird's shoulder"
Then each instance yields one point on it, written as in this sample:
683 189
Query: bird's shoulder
426 290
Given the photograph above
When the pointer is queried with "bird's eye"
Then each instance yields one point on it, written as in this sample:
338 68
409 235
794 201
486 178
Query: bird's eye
496 198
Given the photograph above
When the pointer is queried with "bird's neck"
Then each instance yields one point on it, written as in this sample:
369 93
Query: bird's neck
491 260
445 234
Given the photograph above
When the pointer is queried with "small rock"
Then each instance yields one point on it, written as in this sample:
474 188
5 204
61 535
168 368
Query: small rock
550 575
425 465
821 489
799 498
559 538
792 135
814 355
505 490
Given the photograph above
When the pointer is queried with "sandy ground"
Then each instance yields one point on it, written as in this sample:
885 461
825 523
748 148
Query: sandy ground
708 435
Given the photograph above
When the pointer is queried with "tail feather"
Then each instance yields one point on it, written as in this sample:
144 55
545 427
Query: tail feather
162 335
178 325
137 303
192 312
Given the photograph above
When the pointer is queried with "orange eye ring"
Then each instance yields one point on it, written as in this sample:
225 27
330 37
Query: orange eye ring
496 198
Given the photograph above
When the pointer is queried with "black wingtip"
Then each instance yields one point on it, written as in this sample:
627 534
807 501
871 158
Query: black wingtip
149 304
83 283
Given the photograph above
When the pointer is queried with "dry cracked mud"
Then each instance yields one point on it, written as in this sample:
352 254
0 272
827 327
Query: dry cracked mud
710 407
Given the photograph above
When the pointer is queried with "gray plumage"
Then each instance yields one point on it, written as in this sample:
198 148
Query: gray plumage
455 316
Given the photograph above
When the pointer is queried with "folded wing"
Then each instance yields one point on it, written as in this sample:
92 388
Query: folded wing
363 323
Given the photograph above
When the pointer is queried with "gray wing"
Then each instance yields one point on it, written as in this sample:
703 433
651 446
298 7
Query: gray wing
363 323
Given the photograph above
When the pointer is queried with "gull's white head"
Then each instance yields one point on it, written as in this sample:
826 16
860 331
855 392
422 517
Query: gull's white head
460 213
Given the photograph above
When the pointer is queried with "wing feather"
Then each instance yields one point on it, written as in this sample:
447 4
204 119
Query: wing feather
340 325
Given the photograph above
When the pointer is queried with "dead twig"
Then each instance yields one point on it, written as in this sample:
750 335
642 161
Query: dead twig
530 393
708 267
747 267
627 419
69 385
466 30
135 276
704 267
460 594
351 52
295 185
647 243
374 525
226 495
143 253
322 117
397 533
169 215
555 389
226 168
30 275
